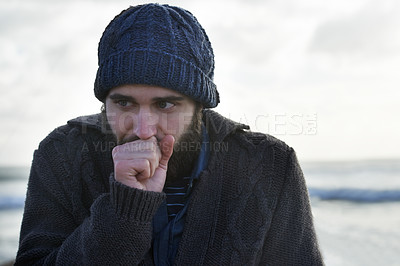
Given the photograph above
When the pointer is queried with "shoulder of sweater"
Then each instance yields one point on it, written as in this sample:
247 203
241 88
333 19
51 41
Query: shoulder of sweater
94 121
260 145
220 128
258 138
74 129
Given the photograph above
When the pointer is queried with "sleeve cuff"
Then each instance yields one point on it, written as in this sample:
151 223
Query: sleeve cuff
134 204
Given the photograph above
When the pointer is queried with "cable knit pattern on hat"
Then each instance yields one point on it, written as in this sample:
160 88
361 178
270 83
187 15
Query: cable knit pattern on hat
157 45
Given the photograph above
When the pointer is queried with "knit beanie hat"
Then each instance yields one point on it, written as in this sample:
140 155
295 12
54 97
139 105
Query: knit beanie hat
157 45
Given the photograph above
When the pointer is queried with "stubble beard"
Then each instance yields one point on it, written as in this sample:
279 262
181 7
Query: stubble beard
186 148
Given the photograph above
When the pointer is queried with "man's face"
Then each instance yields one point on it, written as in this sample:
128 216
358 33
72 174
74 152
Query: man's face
142 111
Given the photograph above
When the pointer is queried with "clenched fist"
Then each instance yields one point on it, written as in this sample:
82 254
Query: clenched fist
143 164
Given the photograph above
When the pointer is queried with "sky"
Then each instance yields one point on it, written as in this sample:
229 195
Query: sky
320 75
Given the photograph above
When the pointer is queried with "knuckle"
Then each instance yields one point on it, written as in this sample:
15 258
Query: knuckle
143 163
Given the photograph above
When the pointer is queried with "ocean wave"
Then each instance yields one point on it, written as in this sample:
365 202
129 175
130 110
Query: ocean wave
9 202
354 194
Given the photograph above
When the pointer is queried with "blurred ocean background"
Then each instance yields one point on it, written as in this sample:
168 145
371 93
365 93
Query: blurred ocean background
356 207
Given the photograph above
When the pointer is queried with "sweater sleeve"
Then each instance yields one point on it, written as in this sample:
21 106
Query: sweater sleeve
117 231
291 239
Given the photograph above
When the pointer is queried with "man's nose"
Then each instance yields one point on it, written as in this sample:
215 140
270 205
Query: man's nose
146 124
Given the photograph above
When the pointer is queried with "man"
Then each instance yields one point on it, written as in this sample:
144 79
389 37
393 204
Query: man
157 178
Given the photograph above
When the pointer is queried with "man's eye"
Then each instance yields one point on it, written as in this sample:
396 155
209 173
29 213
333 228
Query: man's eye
122 103
165 105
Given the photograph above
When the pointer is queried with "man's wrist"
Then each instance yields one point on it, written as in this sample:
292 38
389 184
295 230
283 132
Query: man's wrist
134 204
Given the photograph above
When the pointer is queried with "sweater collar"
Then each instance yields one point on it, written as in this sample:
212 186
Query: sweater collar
91 121
219 127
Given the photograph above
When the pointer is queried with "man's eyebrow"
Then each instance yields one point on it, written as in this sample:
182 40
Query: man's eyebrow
171 98
117 96
168 99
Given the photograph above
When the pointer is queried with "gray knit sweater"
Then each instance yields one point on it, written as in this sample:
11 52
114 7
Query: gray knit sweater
250 206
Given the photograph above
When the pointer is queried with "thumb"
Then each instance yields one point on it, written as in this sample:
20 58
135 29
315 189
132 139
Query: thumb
167 148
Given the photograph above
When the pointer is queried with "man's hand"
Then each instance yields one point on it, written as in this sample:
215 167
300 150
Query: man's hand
143 164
